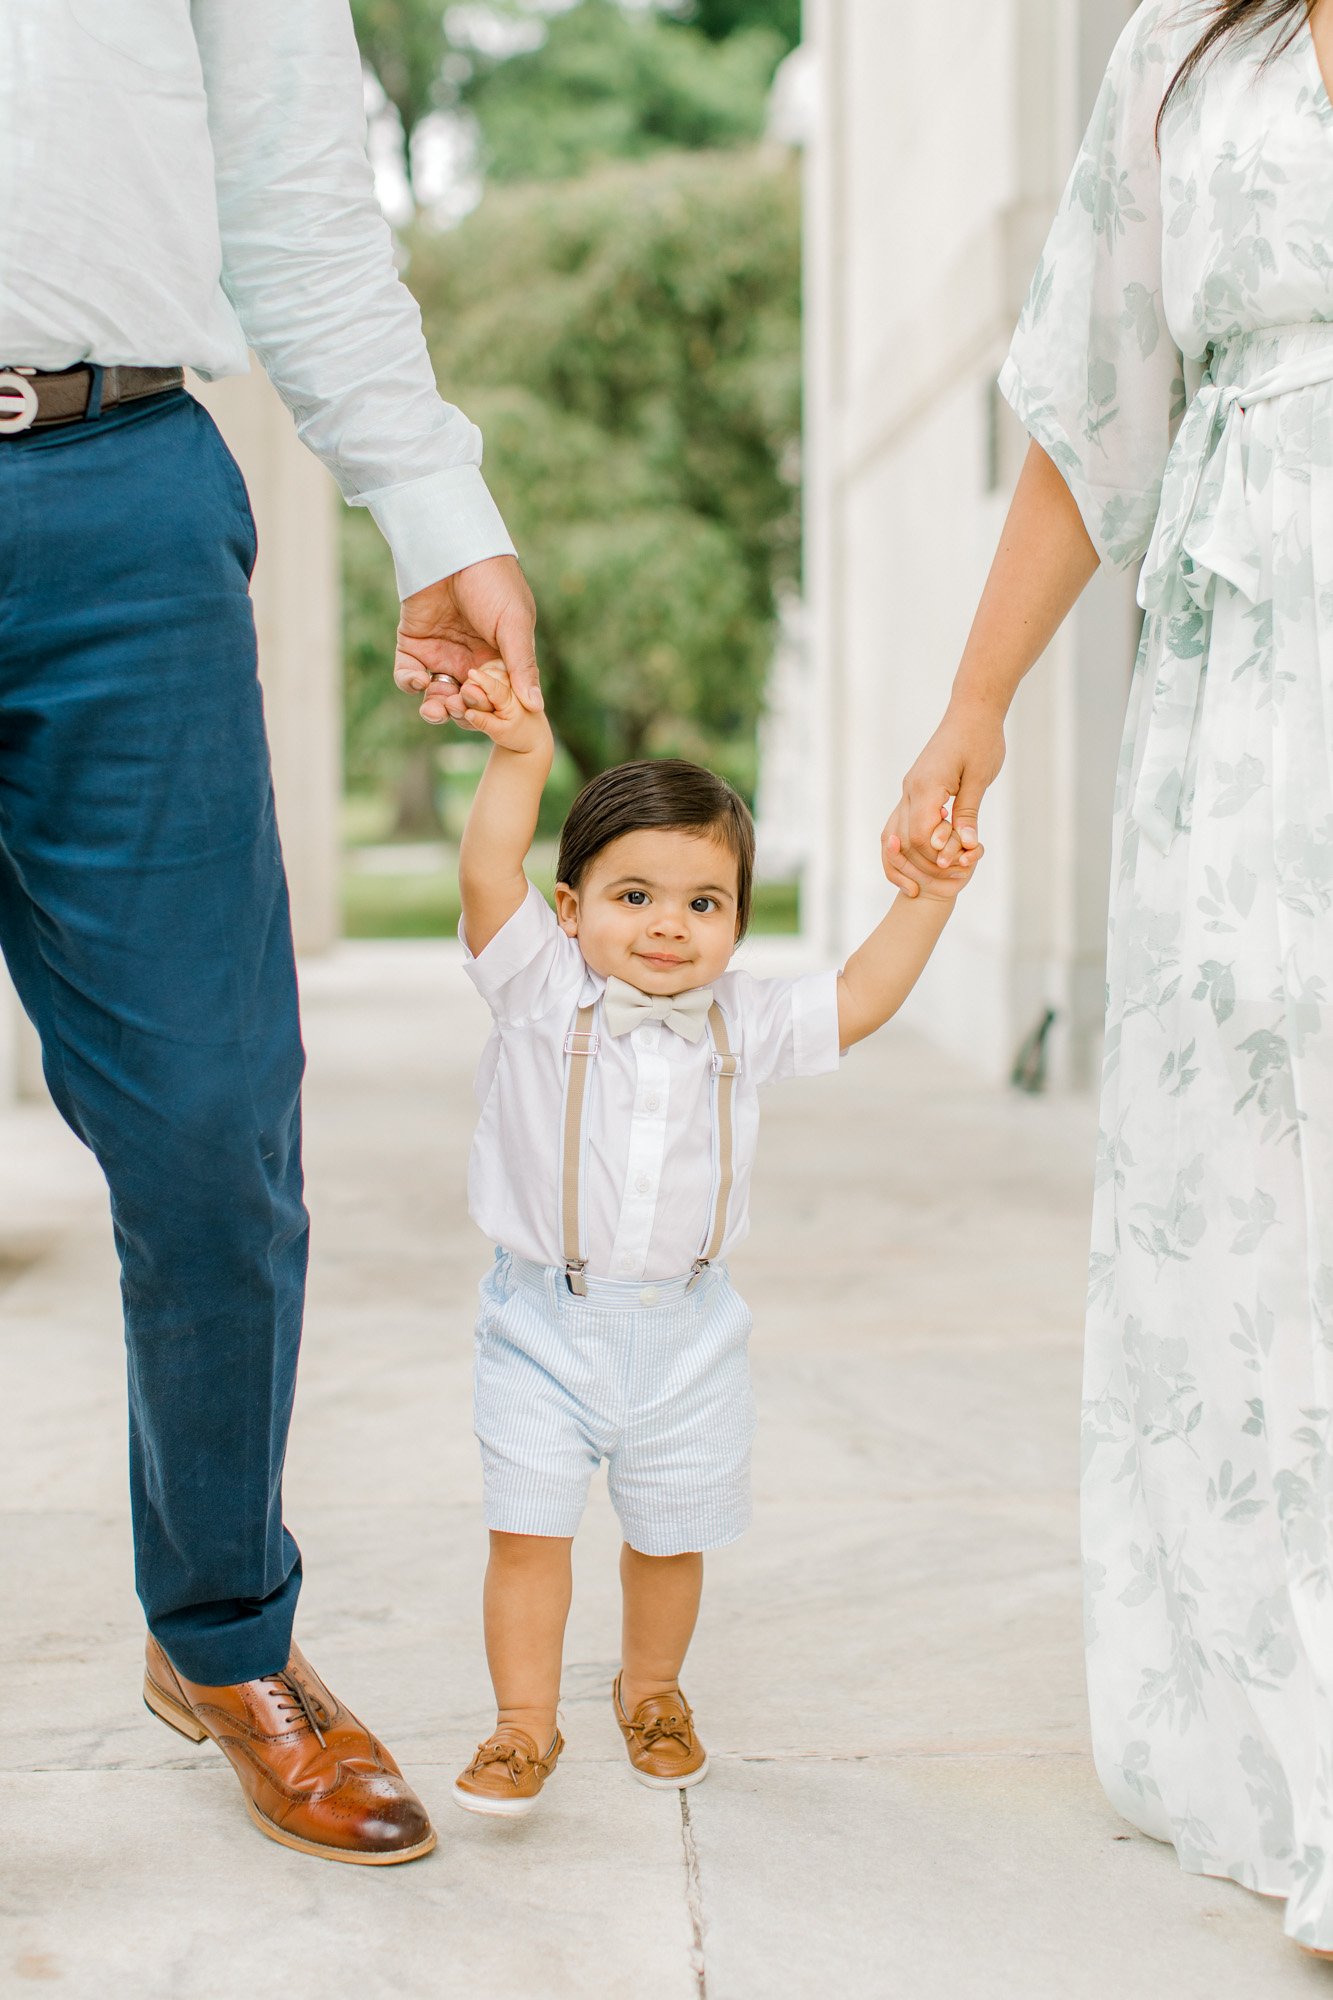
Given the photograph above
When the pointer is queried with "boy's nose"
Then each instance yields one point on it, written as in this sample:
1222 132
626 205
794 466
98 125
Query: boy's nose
669 923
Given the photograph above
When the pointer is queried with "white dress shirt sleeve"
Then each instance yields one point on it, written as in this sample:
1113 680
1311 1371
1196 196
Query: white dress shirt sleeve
308 266
789 1027
529 967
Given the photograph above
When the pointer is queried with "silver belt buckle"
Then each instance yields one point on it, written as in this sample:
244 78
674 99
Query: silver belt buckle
18 401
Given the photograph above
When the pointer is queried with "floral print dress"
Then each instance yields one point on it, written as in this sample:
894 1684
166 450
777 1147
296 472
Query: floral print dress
1175 358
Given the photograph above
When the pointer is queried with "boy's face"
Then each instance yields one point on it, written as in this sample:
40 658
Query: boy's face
657 909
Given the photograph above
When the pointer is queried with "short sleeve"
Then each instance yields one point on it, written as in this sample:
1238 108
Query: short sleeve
789 1027
529 967
1093 373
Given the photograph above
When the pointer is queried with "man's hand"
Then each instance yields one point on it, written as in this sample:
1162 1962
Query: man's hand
961 760
483 613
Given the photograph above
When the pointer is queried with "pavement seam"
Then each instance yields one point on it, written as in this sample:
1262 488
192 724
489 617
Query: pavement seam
694 1897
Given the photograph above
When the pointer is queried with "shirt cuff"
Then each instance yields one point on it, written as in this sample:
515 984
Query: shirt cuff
815 1043
437 525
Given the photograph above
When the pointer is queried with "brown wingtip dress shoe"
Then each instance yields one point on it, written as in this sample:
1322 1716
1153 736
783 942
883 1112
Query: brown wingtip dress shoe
314 1778
664 1751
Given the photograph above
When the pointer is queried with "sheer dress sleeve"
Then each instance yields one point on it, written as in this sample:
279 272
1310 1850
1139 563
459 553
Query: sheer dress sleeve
1093 373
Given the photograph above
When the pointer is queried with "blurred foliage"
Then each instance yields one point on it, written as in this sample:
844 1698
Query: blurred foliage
621 317
629 343
607 84
603 83
404 43
720 18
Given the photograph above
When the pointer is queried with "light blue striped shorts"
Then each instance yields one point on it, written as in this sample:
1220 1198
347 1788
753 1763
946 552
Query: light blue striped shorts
652 1378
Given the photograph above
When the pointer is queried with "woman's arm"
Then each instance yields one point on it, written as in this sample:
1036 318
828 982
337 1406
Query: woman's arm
1044 561
503 819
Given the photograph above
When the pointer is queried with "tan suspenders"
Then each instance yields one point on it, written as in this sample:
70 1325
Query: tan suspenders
581 1046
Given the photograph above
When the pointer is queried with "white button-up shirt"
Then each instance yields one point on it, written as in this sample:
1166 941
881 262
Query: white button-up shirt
181 177
649 1156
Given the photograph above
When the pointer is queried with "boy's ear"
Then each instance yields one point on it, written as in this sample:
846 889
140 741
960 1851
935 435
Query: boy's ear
567 909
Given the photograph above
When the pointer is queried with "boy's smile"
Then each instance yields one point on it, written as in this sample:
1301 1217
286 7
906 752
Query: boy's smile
657 909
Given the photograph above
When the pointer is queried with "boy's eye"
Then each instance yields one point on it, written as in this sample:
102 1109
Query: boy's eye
638 897
703 904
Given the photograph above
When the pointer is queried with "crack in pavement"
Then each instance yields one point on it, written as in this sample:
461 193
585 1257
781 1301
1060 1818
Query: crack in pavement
694 1897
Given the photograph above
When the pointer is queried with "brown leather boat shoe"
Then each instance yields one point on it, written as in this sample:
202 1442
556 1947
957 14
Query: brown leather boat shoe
664 1751
506 1774
314 1777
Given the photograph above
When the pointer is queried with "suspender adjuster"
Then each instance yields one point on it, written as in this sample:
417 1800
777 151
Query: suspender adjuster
580 1043
726 1064
574 1278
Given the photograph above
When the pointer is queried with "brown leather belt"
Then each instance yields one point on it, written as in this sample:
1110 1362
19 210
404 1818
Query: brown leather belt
31 398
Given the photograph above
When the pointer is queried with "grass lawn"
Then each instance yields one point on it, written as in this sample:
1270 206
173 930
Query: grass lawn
423 903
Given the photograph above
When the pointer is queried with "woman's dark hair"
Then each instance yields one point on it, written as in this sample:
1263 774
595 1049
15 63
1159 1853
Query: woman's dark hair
658 792
1238 17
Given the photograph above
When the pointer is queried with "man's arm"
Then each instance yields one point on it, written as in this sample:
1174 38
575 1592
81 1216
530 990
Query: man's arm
308 265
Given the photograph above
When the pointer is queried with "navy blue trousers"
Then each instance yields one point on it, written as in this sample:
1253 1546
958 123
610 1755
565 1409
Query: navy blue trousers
144 921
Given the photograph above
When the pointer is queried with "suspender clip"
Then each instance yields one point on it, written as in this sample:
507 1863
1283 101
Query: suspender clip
574 1278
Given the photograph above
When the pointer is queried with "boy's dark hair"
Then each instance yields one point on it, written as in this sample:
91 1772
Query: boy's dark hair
658 792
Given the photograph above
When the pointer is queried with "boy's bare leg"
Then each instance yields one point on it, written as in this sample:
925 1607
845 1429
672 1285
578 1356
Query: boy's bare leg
661 1597
529 1582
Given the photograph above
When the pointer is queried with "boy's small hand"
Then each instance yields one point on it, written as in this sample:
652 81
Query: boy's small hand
936 884
491 707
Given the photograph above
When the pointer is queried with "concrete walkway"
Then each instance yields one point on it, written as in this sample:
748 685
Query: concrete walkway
888 1669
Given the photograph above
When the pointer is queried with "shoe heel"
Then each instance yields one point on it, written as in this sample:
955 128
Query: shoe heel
171 1712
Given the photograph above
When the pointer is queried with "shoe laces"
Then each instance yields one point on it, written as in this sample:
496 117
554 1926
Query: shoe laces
664 1729
671 1727
296 1700
509 1756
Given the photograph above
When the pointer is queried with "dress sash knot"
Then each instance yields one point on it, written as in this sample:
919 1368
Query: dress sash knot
1205 530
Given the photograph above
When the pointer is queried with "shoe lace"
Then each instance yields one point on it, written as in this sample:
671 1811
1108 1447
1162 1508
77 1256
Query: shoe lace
296 1700
508 1755
669 1728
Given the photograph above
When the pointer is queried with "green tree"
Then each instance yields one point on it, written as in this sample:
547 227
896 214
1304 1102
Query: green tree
603 83
720 18
629 343
403 42
609 84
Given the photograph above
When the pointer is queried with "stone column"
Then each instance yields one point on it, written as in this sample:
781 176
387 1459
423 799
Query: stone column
297 613
942 144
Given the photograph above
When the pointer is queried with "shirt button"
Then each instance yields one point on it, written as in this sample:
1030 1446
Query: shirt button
652 1102
648 1296
644 1184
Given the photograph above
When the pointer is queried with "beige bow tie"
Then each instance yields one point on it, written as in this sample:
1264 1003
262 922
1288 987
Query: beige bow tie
624 1007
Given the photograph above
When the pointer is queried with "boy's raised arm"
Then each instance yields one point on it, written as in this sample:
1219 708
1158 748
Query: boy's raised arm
503 819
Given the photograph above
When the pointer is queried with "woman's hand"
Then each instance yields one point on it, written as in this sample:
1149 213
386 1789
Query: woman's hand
960 762
1044 559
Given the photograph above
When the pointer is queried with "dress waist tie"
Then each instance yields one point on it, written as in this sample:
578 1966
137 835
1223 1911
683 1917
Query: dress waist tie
1205 530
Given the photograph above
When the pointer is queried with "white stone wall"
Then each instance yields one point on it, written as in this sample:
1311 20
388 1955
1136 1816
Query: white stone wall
943 139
